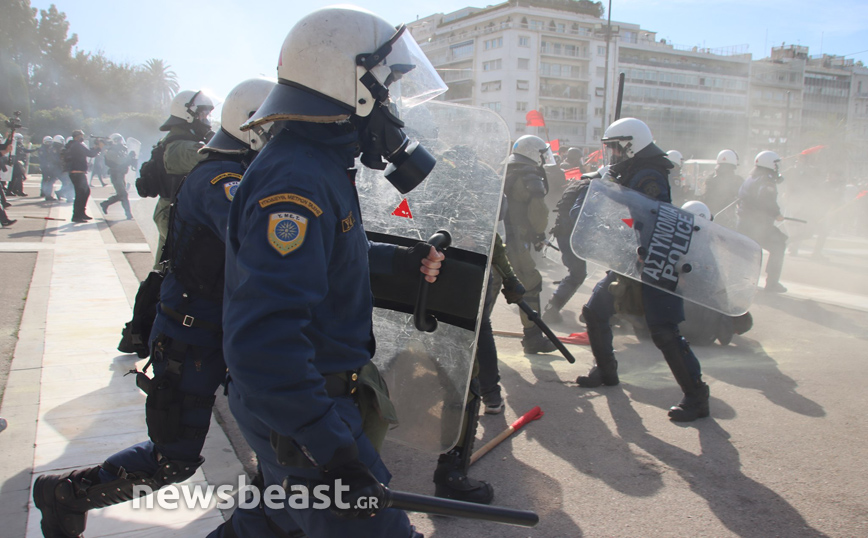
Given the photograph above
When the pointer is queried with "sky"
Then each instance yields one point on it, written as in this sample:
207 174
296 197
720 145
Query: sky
215 44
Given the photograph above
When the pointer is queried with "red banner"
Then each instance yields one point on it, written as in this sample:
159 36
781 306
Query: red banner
573 174
555 145
535 119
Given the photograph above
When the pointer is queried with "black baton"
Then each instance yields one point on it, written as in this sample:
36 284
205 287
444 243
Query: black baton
413 502
534 317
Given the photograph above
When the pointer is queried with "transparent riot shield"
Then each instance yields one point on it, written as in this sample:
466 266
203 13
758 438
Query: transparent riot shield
134 146
663 246
428 373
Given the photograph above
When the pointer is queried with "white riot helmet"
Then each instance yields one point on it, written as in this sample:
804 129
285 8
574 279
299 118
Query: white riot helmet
675 157
241 103
19 137
698 208
768 159
534 148
345 63
58 139
47 140
118 139
727 156
190 108
631 136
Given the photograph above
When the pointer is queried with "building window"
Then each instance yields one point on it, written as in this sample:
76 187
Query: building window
495 106
520 127
521 106
523 41
601 50
598 133
599 92
598 112
492 65
601 72
492 86
522 85
523 63
460 50
537 25
495 43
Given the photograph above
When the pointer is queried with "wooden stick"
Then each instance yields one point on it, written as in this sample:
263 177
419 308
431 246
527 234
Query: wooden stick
534 414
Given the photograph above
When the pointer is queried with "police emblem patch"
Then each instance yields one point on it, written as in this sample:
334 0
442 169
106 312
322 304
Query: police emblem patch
229 189
286 232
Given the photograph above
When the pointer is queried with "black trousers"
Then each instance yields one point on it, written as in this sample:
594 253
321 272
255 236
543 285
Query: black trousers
82 193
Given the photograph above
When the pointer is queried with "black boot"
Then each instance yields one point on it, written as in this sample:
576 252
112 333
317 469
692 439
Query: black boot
677 352
64 500
535 341
694 405
451 480
604 372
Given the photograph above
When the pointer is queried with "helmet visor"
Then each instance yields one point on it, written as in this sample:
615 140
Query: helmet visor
407 73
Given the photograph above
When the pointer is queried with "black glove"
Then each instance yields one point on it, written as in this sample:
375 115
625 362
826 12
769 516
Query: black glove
513 290
408 261
361 495
539 242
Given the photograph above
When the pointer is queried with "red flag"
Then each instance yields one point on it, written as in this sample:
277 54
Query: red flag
628 222
814 149
403 210
861 194
573 174
594 157
555 145
576 338
535 119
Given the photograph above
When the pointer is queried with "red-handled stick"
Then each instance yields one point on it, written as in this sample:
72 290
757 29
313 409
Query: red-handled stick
42 218
534 414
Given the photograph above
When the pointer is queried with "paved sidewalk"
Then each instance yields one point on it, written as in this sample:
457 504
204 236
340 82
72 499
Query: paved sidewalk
67 401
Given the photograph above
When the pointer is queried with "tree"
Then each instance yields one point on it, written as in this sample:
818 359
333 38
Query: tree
161 81
49 75
19 50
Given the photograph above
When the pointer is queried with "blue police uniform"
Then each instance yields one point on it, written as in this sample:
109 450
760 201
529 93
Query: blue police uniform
298 309
186 357
187 330
663 311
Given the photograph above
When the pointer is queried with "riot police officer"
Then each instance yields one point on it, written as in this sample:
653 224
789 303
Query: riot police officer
577 268
721 189
758 211
638 164
189 127
118 160
525 224
298 336
186 343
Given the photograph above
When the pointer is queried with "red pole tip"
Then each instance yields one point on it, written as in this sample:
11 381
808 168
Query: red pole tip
534 414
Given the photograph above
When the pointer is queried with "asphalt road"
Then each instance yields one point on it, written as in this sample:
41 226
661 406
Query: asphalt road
783 454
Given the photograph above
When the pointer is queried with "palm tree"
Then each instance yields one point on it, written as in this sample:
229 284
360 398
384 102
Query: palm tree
162 81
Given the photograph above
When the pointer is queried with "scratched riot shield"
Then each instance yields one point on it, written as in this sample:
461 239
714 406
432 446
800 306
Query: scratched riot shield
666 247
428 373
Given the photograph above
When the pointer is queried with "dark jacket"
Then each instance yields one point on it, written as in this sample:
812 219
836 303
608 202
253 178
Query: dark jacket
77 154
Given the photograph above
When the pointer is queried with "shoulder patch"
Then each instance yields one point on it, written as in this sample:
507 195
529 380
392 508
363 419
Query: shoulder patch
348 223
229 189
651 189
286 232
226 175
292 198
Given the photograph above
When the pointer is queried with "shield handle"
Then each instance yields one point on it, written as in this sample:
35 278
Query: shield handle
423 321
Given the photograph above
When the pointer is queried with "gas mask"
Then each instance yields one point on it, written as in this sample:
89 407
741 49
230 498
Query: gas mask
385 146
397 72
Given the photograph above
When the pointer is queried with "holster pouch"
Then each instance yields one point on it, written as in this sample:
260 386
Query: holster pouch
628 296
162 407
375 406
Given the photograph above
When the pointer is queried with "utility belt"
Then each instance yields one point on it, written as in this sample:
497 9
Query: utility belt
190 321
368 390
